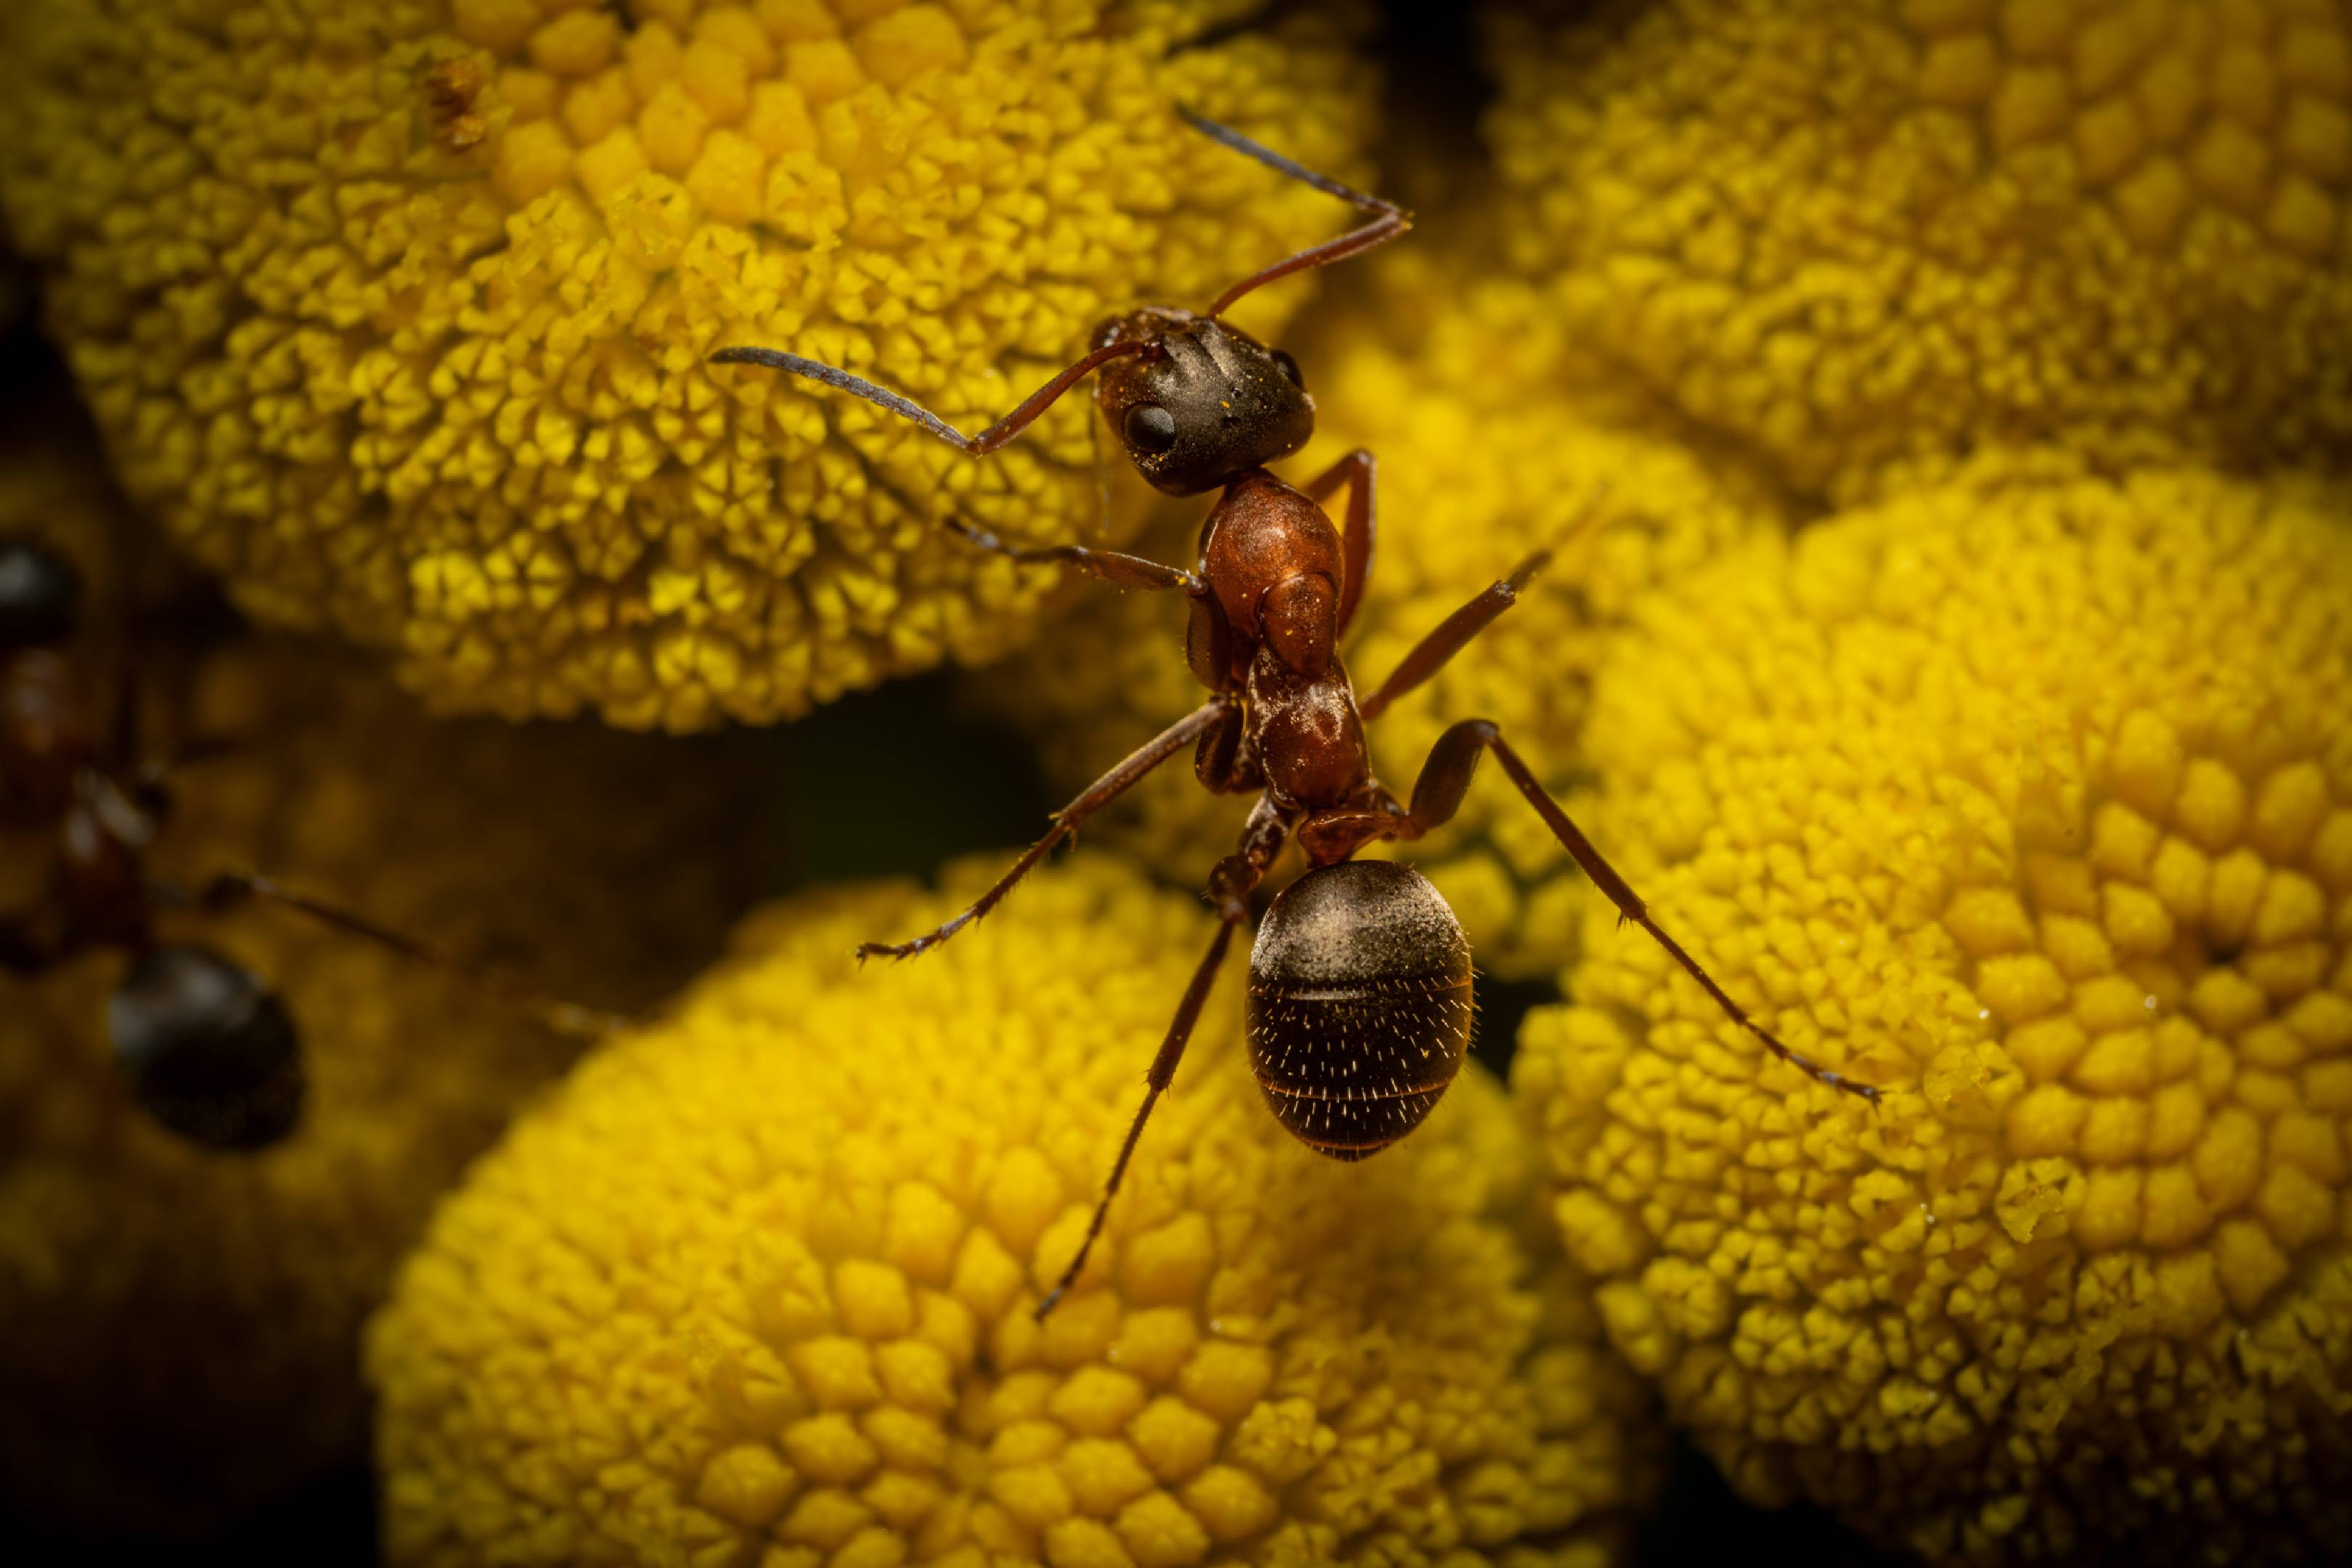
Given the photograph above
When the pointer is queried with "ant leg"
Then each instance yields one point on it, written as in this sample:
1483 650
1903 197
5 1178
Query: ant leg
1186 731
1356 539
568 1018
1437 794
1119 570
1124 571
1235 878
1429 656
1156 1082
1389 220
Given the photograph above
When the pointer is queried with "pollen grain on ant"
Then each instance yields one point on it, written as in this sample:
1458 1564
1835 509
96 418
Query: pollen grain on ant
1359 969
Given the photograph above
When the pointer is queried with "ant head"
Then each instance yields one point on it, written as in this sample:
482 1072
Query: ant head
41 596
209 1053
1205 403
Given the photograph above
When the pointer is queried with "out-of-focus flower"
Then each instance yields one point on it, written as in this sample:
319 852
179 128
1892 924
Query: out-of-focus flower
1867 236
398 313
761 1280
2031 800
1494 436
178 1328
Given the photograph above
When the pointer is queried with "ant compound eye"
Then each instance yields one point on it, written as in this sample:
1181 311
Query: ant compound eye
1149 429
1289 367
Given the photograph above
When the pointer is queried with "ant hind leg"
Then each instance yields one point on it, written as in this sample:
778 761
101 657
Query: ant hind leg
1155 1082
1437 795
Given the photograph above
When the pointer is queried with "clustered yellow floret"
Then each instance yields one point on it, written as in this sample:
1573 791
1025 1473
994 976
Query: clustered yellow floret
178 1329
1495 436
397 312
757 1285
1863 236
2029 799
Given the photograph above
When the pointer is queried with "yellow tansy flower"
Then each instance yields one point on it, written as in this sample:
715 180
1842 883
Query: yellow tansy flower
398 311
179 1328
1865 236
1495 434
2031 800
757 1285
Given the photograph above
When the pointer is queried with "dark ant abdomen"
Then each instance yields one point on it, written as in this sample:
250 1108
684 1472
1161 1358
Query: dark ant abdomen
1359 1005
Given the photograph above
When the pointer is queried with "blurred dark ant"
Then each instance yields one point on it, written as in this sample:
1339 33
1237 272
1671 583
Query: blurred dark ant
1360 985
450 90
209 1051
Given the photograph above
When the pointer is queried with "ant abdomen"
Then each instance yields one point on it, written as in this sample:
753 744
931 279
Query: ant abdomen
209 1052
1359 1005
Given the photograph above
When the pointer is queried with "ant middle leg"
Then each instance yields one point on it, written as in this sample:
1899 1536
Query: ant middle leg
1131 769
1437 795
1452 634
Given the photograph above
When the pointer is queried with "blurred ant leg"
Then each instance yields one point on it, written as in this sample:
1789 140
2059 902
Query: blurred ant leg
1437 794
1124 571
1230 883
231 889
979 445
1429 656
1355 471
1389 220
1186 731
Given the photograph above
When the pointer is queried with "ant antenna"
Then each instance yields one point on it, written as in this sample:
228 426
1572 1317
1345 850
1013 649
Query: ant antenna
979 445
1389 220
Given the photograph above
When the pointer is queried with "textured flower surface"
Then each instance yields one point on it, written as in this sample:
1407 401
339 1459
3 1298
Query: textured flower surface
2031 800
179 1329
793 1322
398 311
1865 234
1495 437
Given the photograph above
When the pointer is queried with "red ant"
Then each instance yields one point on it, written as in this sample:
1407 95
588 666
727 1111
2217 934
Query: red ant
1360 985
210 1051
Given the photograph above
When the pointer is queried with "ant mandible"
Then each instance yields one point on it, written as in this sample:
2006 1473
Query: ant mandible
210 1052
1359 982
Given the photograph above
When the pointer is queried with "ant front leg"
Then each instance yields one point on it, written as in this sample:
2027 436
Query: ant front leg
1235 878
1358 472
1118 570
1122 571
1186 731
1437 795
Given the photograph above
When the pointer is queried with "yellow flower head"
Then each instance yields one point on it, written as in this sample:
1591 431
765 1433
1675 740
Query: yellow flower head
179 1328
1495 437
1859 234
398 312
760 1281
2031 800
